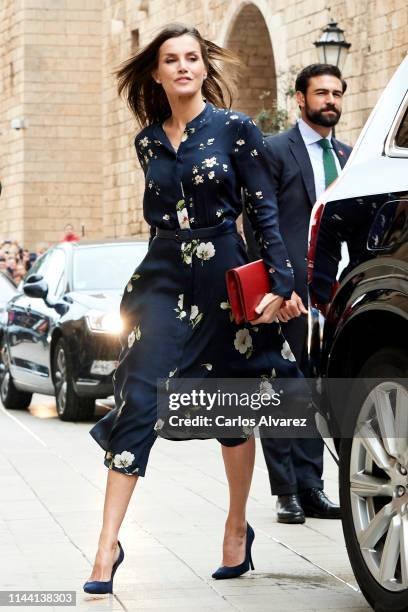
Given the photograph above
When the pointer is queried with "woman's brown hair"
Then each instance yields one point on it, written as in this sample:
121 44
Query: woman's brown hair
147 99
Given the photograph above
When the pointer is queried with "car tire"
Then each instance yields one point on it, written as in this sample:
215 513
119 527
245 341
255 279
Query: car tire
70 406
377 559
11 397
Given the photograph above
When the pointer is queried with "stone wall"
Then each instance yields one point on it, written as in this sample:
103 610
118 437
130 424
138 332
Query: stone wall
59 86
11 107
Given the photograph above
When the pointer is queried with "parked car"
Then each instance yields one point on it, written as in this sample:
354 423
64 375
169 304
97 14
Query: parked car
359 334
61 335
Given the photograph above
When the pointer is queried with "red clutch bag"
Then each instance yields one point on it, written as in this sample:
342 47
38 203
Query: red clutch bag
246 286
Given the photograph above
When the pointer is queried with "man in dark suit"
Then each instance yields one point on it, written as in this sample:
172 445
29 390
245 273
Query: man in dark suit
304 161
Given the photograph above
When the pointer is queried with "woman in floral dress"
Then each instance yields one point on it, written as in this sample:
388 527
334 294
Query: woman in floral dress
196 156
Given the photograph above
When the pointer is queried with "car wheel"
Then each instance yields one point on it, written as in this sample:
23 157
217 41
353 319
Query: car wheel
11 397
70 406
374 482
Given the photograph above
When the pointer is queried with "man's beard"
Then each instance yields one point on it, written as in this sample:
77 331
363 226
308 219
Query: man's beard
319 118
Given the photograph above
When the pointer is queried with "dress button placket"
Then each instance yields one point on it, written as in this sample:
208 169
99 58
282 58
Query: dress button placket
182 209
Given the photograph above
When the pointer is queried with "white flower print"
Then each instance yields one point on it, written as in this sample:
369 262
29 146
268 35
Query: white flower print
243 342
266 387
195 169
166 217
194 312
210 141
138 333
131 338
225 167
180 312
240 142
227 306
254 152
195 316
259 195
210 162
205 250
219 212
198 179
171 374
124 459
144 141
211 174
234 117
207 366
150 184
150 152
129 287
286 352
159 425
187 251
182 216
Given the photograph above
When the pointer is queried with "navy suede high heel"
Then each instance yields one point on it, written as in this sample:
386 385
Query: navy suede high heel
101 587
225 572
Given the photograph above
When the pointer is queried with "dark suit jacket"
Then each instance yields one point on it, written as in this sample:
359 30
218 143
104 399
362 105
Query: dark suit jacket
293 179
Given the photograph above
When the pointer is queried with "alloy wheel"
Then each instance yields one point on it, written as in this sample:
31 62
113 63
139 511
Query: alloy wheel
379 484
5 383
61 381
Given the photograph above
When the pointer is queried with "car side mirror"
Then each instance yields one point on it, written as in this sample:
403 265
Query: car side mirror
35 286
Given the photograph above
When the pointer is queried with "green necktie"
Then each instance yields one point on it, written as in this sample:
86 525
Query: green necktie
330 169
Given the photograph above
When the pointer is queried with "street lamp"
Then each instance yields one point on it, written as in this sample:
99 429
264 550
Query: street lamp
332 47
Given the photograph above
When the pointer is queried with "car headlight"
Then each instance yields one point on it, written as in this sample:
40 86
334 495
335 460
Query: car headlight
104 322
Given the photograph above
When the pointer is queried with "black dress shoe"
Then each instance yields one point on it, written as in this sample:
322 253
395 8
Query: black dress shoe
316 504
289 509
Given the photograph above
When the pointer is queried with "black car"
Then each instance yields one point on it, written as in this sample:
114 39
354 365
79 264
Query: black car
358 343
61 334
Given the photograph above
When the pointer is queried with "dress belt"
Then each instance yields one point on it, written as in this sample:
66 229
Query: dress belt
228 226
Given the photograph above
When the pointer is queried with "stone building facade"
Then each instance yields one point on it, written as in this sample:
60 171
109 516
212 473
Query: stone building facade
72 160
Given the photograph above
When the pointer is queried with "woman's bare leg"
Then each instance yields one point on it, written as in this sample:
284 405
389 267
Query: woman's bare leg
119 489
239 466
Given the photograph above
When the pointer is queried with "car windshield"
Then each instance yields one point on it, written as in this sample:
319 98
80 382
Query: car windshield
106 266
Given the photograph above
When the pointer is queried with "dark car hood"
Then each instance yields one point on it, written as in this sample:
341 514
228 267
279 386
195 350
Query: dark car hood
102 299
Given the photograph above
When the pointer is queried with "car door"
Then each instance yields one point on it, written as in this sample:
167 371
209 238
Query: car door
30 323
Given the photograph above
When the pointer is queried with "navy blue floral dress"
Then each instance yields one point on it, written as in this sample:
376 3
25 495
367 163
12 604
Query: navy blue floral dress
177 317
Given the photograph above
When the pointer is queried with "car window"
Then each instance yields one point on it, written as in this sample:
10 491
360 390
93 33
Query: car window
39 266
54 273
106 266
401 139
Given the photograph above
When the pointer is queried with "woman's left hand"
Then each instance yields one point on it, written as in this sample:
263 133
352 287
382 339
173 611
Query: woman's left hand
268 308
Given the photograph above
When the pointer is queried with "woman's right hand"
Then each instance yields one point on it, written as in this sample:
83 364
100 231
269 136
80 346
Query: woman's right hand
291 308
268 308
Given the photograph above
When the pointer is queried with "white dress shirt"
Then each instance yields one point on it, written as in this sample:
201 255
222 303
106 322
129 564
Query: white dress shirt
315 151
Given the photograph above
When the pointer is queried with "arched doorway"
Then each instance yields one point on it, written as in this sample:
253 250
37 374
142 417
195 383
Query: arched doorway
249 38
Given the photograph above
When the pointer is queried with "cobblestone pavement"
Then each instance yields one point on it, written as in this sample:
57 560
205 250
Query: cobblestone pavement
51 494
